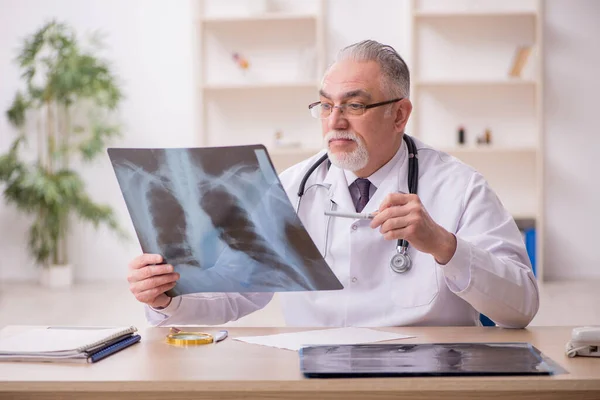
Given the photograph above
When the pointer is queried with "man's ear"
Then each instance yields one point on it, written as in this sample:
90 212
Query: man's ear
403 110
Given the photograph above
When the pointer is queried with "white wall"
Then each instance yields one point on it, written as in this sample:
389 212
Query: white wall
150 42
572 84
350 21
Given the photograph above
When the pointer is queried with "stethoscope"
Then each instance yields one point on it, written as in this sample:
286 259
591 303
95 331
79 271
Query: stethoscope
401 261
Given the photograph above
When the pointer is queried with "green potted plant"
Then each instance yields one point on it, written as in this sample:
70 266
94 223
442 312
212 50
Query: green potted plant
64 115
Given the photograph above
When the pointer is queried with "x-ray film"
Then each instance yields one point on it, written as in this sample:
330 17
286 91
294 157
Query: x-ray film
221 217
427 359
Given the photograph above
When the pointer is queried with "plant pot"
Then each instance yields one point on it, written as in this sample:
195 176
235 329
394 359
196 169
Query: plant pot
57 276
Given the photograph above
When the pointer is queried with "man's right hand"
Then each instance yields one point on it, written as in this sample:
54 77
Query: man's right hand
148 282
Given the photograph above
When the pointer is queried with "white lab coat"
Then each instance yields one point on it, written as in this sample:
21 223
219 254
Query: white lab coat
490 272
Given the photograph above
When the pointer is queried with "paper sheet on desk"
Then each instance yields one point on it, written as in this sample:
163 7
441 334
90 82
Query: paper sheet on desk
295 340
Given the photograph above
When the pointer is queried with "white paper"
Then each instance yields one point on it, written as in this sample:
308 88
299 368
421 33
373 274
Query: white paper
40 340
296 340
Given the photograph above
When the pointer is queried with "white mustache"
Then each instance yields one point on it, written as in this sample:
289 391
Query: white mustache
334 135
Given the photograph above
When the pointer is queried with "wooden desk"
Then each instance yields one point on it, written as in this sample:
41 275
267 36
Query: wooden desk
153 369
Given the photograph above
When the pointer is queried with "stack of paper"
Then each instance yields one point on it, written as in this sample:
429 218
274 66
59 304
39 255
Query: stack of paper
66 344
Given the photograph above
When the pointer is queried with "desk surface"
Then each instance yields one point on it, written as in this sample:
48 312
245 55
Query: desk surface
230 369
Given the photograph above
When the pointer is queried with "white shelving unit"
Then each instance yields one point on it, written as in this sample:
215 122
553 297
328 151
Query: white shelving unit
473 82
462 51
260 86
261 17
283 41
474 13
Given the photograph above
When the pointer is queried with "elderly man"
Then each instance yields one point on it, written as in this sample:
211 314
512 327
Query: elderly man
467 255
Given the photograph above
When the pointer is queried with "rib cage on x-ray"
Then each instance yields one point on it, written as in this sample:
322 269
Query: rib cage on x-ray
226 226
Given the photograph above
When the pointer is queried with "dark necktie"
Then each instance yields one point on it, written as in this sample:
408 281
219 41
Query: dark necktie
363 188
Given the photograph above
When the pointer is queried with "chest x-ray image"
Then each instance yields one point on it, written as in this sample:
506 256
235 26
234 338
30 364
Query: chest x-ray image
222 219
425 359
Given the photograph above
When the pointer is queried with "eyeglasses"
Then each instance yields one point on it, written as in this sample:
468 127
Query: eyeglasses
323 110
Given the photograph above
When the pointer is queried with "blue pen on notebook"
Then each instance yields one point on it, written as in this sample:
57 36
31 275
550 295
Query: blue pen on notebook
113 348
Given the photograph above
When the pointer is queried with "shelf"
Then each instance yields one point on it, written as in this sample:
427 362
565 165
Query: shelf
294 151
523 217
475 13
262 85
467 150
450 150
456 151
283 158
268 17
475 82
525 221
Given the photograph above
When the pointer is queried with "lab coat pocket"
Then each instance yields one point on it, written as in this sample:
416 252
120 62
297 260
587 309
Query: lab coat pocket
417 287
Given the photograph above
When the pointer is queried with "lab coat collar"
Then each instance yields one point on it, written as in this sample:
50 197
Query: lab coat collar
396 181
338 191
377 178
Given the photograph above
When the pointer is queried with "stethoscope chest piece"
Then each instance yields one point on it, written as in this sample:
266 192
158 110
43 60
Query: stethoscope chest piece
401 261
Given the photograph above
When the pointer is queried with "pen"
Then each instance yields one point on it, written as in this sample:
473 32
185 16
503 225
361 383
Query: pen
222 335
349 215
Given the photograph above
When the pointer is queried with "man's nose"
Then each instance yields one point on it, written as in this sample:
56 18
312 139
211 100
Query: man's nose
337 119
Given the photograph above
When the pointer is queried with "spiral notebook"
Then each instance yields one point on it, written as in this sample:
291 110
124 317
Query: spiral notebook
66 344
113 348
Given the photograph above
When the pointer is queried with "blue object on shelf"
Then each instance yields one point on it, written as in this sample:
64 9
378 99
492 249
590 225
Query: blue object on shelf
530 246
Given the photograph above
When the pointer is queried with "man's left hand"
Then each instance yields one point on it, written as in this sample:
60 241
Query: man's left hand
402 216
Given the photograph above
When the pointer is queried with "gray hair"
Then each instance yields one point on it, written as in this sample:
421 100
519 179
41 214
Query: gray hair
396 77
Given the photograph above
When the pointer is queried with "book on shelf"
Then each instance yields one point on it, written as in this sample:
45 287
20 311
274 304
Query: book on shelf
522 55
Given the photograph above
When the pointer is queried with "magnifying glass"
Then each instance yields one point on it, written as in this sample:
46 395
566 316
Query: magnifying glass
178 337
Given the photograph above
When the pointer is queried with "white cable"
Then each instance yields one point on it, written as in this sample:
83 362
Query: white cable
572 352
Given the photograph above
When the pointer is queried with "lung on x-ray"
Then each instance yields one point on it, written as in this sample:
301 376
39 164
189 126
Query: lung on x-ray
220 216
